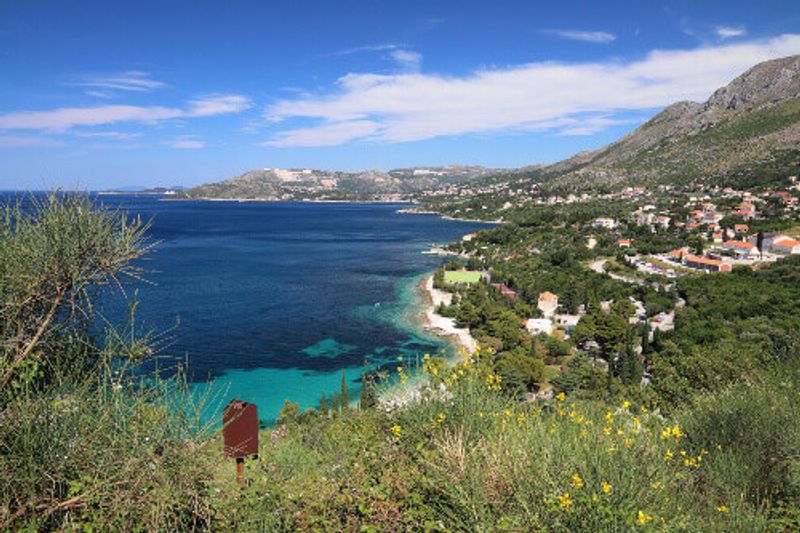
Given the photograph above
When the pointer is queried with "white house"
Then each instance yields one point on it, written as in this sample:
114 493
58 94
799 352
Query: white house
786 245
742 249
602 222
535 326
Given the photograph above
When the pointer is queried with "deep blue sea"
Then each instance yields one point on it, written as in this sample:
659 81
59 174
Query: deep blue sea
270 301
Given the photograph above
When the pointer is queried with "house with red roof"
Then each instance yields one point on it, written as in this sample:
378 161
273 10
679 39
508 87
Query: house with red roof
742 249
785 245
706 264
548 303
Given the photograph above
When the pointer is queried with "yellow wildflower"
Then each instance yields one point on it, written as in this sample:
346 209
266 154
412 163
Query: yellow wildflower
396 430
577 481
564 501
722 509
626 404
643 518
606 487
561 397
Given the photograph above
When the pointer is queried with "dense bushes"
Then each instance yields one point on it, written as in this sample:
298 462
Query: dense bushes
84 442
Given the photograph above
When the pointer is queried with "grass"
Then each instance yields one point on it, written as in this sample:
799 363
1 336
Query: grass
475 460
461 276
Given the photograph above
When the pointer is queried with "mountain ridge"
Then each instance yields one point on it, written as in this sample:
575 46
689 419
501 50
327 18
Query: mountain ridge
748 126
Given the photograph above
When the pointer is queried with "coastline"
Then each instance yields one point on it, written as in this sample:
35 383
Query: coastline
423 316
442 326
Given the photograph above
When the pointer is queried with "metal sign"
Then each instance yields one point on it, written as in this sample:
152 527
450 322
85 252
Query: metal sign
240 433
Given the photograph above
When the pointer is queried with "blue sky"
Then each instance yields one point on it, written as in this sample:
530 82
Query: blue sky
104 94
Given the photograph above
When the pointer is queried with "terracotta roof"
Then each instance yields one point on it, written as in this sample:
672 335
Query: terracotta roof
739 244
547 295
703 260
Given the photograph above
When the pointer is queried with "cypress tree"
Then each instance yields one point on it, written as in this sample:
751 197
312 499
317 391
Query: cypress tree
323 405
631 368
368 399
334 404
345 402
362 399
645 338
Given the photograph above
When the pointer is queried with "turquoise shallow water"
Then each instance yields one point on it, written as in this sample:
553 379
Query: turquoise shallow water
271 301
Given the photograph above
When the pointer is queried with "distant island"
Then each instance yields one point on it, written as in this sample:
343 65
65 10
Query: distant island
169 191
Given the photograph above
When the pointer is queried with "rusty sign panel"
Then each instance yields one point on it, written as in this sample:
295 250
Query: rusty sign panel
240 429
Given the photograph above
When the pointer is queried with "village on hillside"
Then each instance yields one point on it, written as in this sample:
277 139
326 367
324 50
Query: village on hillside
551 279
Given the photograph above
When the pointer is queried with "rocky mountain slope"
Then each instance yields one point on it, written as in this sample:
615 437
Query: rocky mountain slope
753 121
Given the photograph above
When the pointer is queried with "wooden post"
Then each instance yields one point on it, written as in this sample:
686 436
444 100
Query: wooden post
240 471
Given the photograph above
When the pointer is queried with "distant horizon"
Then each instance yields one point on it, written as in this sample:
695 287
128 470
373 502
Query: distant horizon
102 98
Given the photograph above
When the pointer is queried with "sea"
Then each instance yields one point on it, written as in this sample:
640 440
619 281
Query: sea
266 302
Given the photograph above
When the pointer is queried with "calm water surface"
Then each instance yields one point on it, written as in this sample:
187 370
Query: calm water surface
269 301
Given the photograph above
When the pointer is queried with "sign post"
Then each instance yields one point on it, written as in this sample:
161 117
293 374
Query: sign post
240 433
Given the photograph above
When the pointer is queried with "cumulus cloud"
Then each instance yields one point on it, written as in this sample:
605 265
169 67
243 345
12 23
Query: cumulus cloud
62 119
726 32
600 37
417 106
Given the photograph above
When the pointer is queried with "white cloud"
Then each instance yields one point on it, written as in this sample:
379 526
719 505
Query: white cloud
416 106
406 59
13 141
217 105
726 32
187 143
367 48
109 135
133 80
62 119
326 135
600 37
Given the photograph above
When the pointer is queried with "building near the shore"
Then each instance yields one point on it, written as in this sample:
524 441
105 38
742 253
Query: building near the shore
548 303
505 290
786 245
461 277
742 249
535 326
604 222
707 264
